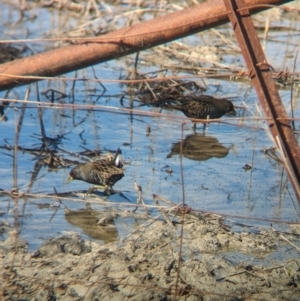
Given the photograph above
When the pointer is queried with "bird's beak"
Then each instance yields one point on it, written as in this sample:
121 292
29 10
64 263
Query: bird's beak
70 179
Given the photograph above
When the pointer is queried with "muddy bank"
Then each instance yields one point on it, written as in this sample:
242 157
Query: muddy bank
215 264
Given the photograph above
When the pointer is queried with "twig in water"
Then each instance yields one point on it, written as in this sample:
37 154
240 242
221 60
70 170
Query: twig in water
80 135
163 213
73 87
293 245
17 134
181 165
292 87
58 199
158 197
41 118
140 199
136 63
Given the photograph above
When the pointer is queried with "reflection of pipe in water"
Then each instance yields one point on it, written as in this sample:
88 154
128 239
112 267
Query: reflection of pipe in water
94 224
199 147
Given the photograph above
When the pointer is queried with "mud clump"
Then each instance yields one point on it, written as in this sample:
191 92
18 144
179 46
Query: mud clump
210 262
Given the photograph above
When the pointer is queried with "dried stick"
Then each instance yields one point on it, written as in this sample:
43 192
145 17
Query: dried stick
41 118
140 199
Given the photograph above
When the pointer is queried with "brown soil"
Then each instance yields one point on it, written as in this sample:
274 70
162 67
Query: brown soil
215 264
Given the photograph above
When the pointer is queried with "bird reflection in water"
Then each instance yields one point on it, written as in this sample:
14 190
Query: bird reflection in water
97 225
200 148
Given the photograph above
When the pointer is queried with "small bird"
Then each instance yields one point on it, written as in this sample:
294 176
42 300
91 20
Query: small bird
103 173
204 106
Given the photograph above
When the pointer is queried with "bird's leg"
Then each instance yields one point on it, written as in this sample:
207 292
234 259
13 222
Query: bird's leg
205 124
95 188
90 190
108 190
194 127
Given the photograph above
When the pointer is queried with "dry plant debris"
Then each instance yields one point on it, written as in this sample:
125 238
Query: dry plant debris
160 92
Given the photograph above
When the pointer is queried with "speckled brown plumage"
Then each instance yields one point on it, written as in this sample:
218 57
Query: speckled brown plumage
203 107
99 173
104 172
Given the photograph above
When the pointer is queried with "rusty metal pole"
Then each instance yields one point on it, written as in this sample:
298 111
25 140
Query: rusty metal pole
91 51
264 84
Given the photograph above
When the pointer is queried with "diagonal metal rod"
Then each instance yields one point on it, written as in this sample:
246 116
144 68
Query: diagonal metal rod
266 90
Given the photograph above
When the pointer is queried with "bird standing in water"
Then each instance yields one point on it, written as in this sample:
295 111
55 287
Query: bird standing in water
203 106
102 173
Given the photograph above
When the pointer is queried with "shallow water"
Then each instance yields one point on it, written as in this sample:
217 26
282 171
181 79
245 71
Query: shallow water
213 181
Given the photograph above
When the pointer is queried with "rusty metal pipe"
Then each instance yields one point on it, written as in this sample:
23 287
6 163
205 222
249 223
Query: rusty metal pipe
261 77
121 42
